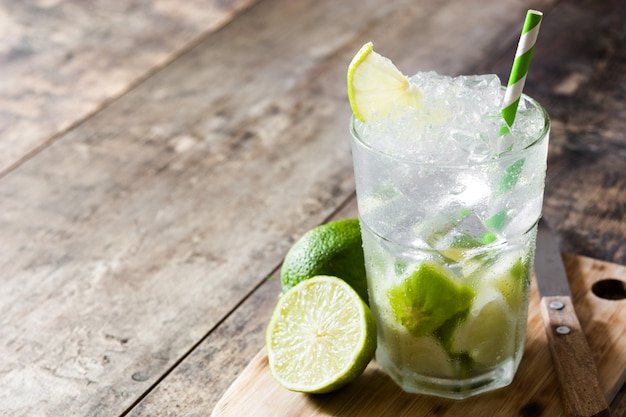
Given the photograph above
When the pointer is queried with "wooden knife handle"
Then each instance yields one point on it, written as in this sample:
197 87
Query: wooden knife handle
573 362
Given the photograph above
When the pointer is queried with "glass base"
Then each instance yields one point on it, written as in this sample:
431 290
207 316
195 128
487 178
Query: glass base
457 389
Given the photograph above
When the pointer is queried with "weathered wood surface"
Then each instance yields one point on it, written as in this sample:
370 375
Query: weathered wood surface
61 61
559 58
197 388
136 246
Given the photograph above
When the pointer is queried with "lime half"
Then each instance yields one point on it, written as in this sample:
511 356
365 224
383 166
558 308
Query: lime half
376 86
321 336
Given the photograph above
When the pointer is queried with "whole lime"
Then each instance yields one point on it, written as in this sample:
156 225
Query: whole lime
334 249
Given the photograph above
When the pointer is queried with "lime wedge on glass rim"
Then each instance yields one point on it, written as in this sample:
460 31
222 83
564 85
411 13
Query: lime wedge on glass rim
321 336
376 86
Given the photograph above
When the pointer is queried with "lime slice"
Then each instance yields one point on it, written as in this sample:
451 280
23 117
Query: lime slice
509 274
459 247
423 354
376 86
486 332
426 356
512 283
321 336
428 298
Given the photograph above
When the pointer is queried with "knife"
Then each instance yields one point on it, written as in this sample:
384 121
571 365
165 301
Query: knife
575 369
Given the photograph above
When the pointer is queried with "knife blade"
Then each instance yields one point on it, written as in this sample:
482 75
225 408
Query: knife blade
575 369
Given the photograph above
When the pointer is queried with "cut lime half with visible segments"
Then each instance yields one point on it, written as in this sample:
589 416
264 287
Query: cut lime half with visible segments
321 336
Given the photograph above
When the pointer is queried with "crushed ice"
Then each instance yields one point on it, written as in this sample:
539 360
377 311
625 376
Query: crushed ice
459 122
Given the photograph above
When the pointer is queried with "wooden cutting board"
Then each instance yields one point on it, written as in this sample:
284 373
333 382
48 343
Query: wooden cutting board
534 391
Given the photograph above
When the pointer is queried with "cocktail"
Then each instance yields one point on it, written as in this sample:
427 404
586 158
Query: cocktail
448 202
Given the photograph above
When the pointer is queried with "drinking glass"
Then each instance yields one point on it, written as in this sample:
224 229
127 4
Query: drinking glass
449 249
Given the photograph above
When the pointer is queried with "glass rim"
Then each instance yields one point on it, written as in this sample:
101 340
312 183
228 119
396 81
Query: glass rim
503 157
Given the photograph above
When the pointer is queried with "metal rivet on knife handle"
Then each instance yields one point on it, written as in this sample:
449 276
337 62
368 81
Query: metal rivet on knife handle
574 365
556 305
563 330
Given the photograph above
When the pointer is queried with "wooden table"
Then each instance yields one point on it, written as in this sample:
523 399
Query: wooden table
158 159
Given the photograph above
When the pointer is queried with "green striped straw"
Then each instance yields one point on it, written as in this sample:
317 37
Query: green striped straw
517 79
519 71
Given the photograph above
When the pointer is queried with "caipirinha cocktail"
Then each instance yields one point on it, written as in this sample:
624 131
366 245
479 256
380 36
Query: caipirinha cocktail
448 206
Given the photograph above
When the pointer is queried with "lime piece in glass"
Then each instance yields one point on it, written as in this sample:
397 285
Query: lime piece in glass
428 298
321 336
458 248
512 284
509 274
485 333
376 86
334 249
424 354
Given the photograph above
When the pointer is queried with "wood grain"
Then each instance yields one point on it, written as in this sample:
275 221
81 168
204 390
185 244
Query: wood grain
314 66
63 61
575 370
135 245
179 199
534 391
192 398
